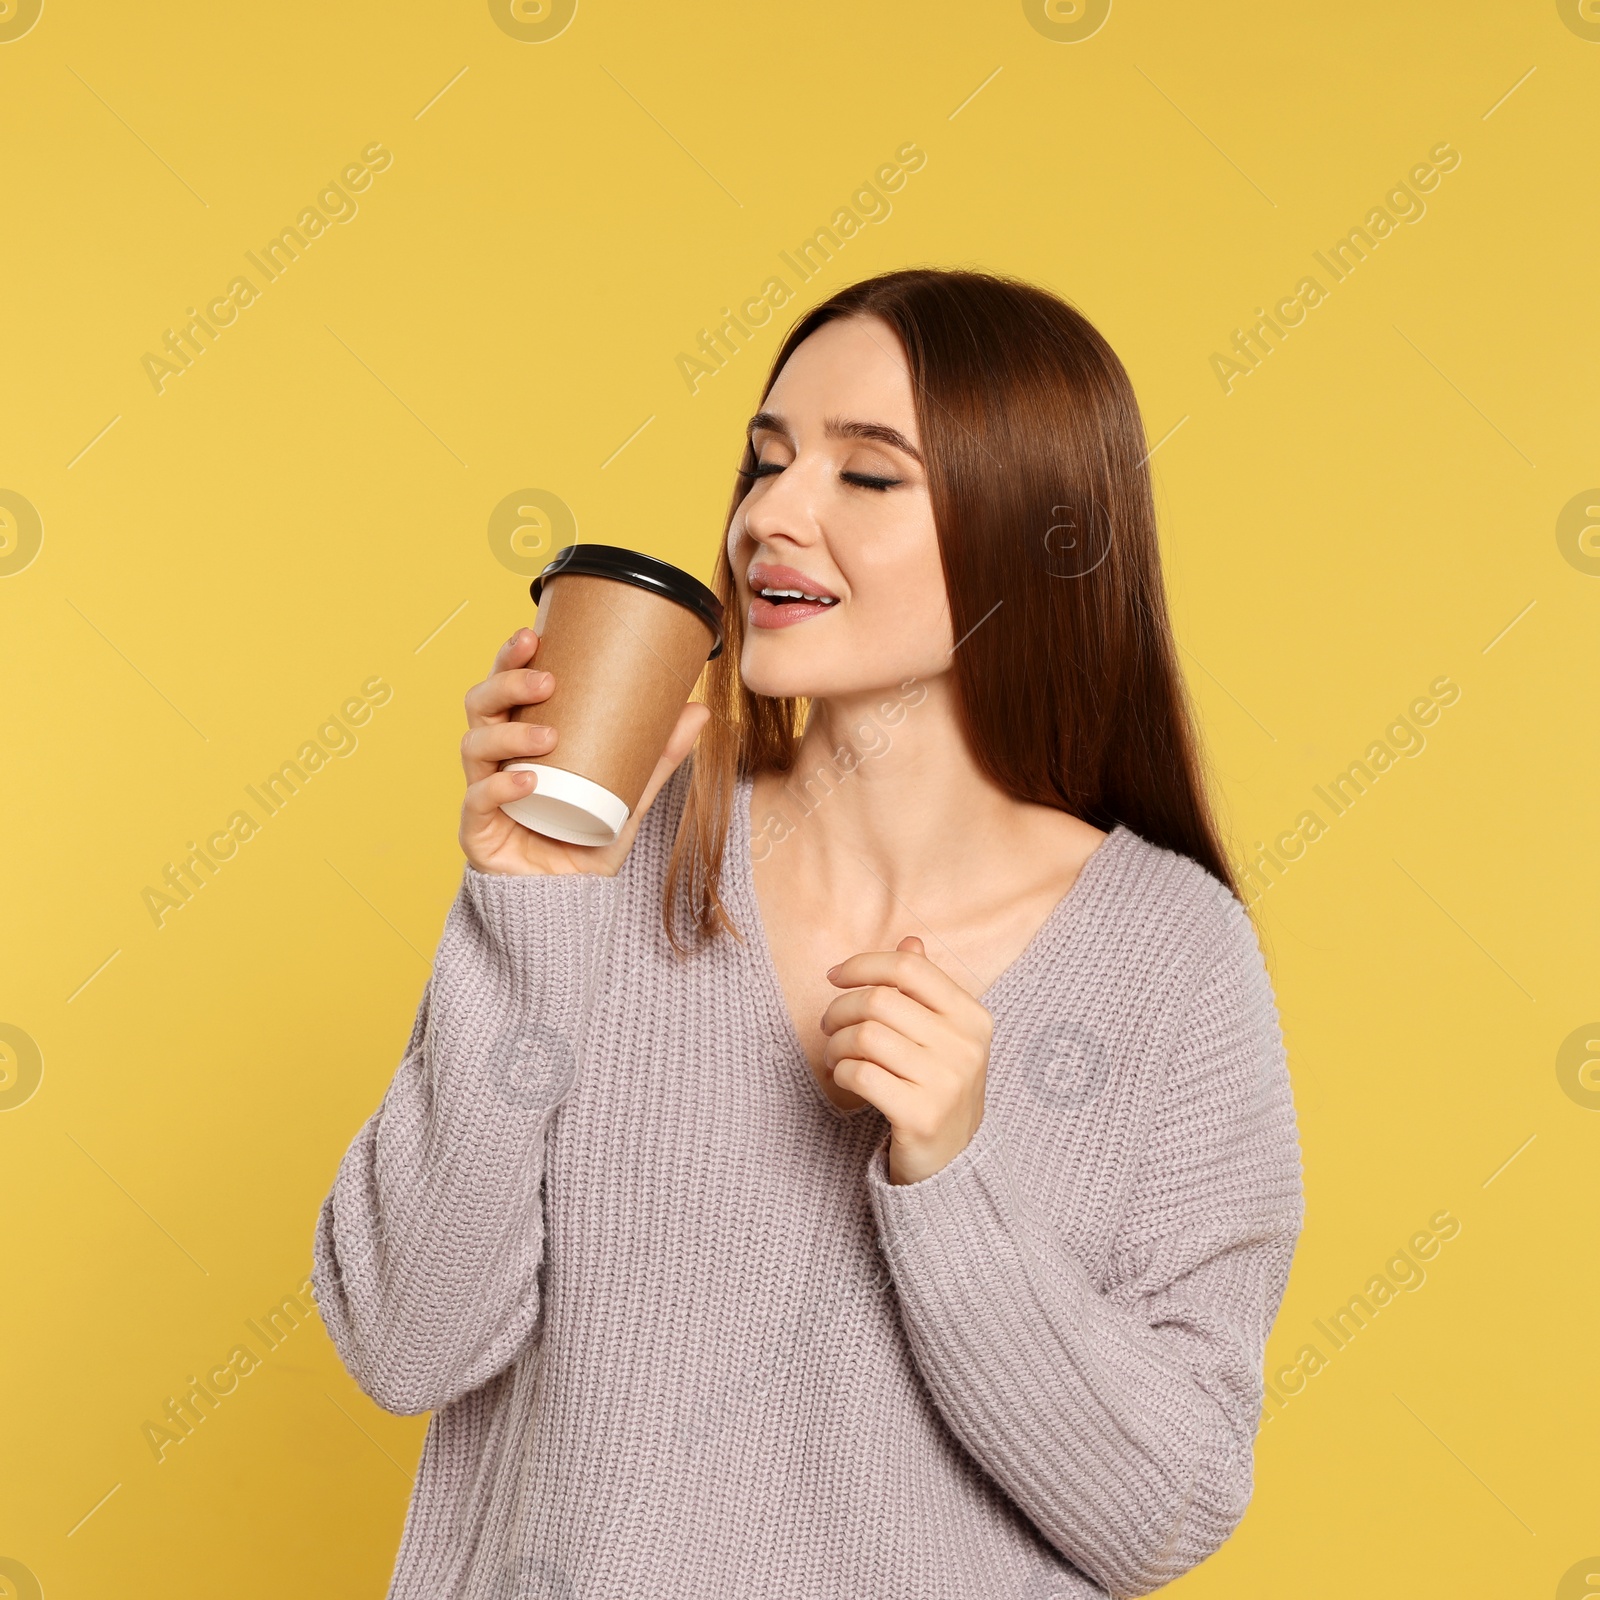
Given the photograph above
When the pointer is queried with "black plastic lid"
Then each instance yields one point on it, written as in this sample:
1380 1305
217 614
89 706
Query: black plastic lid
645 572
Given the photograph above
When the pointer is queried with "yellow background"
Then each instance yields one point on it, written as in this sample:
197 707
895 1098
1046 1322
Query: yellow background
309 505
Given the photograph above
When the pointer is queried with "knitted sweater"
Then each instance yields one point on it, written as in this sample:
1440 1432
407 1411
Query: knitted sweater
681 1337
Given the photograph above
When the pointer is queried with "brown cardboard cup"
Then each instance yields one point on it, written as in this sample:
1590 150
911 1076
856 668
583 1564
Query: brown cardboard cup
625 637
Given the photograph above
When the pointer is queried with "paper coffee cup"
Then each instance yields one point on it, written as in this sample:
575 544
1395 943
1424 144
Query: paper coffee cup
626 637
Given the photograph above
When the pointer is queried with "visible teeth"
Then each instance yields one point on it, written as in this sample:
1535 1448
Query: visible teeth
796 594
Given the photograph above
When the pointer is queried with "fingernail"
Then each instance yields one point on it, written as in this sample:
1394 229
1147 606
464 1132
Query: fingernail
831 970
525 780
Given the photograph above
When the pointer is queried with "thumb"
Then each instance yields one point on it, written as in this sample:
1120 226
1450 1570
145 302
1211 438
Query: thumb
694 716
912 945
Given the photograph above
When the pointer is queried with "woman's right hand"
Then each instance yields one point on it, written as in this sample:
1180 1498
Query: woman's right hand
495 842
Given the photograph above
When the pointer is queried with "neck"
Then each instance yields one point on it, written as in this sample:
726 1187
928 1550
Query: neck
904 802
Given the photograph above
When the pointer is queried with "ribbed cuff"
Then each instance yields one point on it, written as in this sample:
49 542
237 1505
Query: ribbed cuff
512 897
562 919
513 985
939 1220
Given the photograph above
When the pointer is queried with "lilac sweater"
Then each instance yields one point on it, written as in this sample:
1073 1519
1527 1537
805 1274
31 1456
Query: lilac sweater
681 1337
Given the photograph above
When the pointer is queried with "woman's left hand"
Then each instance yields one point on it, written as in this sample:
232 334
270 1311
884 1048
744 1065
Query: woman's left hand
909 1039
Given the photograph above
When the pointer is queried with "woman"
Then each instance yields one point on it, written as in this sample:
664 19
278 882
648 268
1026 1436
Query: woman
876 1174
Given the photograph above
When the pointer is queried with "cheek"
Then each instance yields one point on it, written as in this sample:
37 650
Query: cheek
902 609
926 596
899 605
903 577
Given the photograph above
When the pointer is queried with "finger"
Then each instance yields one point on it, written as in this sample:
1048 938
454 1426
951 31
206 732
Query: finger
485 797
914 975
484 748
912 943
877 1041
691 720
517 651
493 699
894 1097
889 1006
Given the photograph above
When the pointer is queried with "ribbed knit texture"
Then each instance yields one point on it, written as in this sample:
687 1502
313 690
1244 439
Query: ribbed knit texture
682 1338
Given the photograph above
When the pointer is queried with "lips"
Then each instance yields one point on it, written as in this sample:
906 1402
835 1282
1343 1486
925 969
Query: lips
784 596
764 575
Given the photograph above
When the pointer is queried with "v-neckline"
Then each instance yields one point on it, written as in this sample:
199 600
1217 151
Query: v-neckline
739 848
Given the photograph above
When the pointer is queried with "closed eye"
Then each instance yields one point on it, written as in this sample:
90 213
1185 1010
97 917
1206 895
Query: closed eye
861 480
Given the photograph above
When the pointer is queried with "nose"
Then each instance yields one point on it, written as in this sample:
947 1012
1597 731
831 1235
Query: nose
784 511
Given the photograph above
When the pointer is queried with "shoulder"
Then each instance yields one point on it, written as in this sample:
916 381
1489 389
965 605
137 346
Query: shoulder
1170 915
1226 1034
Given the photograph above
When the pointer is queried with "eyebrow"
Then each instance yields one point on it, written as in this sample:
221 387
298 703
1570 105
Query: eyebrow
842 428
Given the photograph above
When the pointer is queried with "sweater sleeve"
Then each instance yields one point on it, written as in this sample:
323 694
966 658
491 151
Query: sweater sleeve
1121 1420
428 1248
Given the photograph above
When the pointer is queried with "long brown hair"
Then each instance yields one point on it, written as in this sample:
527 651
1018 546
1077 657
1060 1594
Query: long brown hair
1067 676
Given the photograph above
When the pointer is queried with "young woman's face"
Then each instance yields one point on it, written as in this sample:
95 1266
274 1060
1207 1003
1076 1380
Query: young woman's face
838 508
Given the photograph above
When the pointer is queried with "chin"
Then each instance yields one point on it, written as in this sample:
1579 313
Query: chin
778 684
787 672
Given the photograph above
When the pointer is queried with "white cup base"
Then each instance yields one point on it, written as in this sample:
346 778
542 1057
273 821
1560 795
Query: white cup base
567 807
